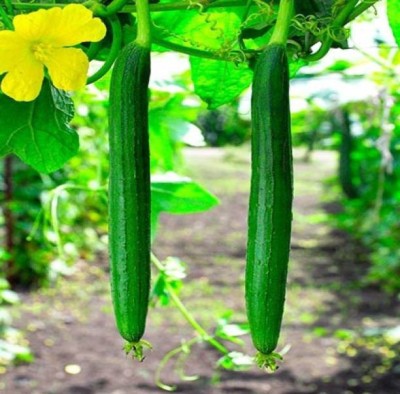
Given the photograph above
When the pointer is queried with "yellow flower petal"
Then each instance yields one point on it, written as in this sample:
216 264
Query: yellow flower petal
24 81
68 68
37 25
68 26
12 50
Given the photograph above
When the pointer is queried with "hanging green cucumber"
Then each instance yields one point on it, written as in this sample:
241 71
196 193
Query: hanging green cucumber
129 191
270 205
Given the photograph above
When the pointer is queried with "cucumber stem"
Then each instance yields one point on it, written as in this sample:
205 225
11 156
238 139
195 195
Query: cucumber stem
143 23
137 349
269 362
281 29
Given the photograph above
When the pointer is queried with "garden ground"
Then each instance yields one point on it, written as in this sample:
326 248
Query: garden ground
333 325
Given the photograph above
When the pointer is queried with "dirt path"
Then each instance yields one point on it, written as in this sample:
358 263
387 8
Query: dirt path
330 320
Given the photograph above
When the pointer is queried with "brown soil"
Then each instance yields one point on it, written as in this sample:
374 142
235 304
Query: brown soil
71 330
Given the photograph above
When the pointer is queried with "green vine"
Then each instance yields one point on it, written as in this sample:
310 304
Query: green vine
6 19
362 7
93 50
281 30
186 314
143 37
161 7
342 18
183 351
116 32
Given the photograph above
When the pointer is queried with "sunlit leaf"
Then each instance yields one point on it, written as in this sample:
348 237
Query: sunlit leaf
179 195
219 82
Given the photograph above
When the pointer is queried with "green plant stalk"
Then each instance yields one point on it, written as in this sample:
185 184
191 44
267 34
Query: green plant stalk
93 49
281 29
186 314
143 37
6 19
362 7
341 20
9 7
175 6
167 357
190 50
114 50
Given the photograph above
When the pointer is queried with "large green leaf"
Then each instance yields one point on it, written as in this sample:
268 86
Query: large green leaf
393 12
173 194
179 195
217 31
38 131
219 82
209 30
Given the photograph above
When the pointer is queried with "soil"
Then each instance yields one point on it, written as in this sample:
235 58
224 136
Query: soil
330 324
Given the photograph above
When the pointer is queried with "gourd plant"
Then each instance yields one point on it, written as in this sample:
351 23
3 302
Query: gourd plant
45 50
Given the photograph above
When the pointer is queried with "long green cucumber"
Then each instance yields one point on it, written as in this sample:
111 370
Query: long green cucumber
129 191
270 205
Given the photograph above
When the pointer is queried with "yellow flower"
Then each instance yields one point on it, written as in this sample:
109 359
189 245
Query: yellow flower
41 39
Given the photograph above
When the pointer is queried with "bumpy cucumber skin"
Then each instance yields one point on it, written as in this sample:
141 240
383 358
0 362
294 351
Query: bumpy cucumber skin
271 195
129 191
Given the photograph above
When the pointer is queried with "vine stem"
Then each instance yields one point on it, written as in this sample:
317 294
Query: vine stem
114 50
173 6
6 19
186 314
361 8
281 29
341 20
214 55
9 7
143 37
167 357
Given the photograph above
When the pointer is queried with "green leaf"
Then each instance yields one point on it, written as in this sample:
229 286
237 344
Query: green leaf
38 131
393 13
219 82
173 194
209 30
178 195
216 31
173 274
